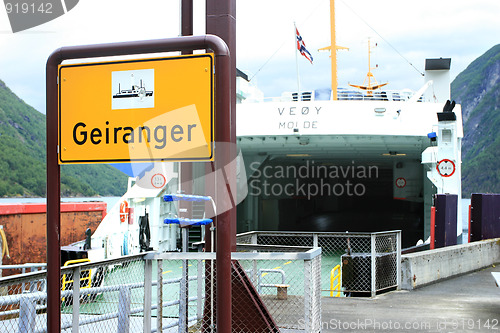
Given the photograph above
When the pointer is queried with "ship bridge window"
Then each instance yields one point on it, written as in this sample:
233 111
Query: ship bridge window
446 135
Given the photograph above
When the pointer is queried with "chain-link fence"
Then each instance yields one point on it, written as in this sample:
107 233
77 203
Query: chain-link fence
110 297
271 291
370 262
171 292
277 282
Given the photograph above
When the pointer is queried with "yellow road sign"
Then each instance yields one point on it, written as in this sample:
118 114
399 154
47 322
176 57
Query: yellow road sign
137 110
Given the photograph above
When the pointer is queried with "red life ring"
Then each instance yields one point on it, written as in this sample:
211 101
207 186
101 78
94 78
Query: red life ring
123 211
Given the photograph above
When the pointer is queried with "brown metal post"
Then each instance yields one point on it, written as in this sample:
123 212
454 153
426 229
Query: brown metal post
222 111
224 220
187 17
186 168
53 201
221 21
186 178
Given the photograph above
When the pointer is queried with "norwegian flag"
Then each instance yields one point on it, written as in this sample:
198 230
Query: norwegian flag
301 46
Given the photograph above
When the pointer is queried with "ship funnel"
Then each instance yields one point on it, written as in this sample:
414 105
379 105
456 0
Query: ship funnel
438 71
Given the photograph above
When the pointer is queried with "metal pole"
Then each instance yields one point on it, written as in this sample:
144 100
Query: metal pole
53 171
199 285
225 220
308 283
254 238
76 299
398 259
296 61
186 185
186 168
333 51
187 19
1 245
27 314
159 296
315 240
221 21
148 280
186 178
53 199
124 310
184 292
373 266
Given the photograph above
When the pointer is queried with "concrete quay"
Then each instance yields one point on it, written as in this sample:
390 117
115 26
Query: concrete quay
467 303
426 267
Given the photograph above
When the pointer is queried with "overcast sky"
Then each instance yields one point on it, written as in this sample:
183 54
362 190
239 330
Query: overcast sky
462 30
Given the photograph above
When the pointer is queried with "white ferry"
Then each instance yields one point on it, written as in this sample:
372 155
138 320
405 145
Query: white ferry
359 163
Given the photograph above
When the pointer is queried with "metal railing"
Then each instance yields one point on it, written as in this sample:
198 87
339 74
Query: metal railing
346 94
152 293
31 267
373 259
263 272
335 275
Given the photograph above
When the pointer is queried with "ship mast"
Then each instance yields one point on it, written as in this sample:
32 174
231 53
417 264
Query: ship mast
333 44
367 84
333 50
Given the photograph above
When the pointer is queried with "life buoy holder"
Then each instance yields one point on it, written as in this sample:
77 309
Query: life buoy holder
124 211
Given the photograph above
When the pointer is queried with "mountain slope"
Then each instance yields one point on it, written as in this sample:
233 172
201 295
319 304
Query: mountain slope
477 89
22 157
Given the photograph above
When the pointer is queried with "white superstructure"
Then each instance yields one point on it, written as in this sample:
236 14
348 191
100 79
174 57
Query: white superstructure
338 141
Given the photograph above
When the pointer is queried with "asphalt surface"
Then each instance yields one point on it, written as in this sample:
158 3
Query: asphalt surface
468 303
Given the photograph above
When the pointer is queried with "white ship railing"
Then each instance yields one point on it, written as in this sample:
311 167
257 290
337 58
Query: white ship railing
344 95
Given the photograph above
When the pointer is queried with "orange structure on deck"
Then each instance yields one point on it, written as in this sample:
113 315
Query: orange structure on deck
25 228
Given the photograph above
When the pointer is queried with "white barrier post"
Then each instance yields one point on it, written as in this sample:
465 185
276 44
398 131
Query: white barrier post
148 280
76 299
124 310
27 314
